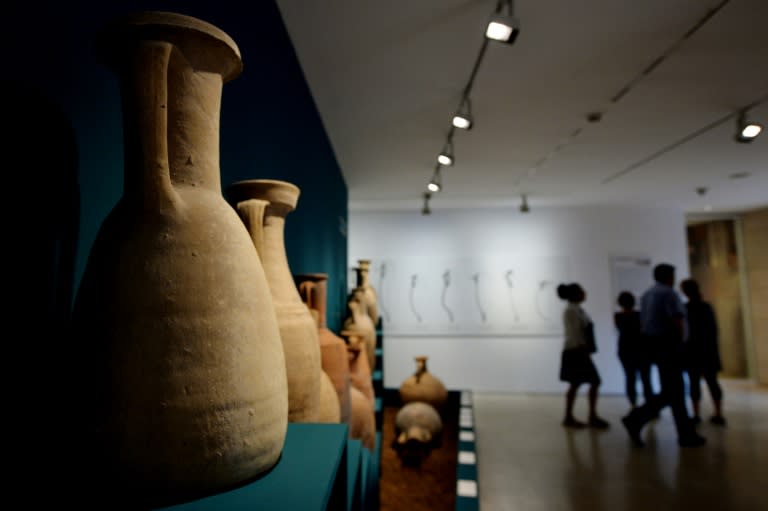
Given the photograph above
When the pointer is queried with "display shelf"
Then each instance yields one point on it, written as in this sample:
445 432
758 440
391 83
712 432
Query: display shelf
378 411
378 381
375 478
354 456
365 479
310 475
467 498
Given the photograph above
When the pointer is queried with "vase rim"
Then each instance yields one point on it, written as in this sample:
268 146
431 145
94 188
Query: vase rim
273 190
150 22
312 276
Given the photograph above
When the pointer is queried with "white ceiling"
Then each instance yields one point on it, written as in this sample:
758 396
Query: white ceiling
387 77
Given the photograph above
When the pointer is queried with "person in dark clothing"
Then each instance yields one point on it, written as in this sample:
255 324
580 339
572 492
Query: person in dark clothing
633 353
576 365
701 353
662 317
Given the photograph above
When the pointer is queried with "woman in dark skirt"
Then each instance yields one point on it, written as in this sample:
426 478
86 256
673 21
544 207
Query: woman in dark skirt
576 365
702 352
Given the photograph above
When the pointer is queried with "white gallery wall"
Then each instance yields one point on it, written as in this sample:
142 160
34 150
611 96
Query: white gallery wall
474 289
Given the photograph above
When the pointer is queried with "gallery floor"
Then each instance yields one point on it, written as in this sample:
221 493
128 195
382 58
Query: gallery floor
527 461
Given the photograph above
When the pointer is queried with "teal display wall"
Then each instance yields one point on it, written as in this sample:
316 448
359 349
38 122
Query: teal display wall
270 127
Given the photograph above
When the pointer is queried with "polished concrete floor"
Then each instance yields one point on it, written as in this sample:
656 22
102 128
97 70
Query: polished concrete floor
528 462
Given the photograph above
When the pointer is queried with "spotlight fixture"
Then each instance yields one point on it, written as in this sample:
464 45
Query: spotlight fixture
503 27
747 131
425 210
435 184
445 157
463 118
524 207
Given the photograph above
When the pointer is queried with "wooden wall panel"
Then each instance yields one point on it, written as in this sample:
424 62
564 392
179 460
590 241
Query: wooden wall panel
755 232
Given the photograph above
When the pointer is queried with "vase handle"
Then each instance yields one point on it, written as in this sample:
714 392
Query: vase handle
306 289
251 211
144 81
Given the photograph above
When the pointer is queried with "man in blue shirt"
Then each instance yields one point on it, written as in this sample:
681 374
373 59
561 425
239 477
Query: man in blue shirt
662 316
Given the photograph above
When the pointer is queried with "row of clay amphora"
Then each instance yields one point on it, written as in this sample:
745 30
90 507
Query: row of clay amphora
362 317
344 361
191 351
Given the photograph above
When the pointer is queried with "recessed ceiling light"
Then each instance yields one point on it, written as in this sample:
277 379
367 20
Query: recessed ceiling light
463 122
503 26
747 131
751 130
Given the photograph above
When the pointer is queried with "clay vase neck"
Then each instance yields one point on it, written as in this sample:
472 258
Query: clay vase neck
186 86
421 367
263 205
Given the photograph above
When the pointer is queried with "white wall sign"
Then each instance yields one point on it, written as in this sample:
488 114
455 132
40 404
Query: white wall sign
630 273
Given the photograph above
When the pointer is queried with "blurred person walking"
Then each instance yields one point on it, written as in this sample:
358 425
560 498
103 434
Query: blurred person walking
701 355
662 317
632 350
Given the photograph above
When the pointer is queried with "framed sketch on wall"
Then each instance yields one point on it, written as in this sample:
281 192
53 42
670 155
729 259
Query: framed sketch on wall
494 295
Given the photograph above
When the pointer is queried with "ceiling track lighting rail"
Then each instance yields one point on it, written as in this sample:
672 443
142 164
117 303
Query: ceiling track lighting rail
503 27
435 184
739 114
593 117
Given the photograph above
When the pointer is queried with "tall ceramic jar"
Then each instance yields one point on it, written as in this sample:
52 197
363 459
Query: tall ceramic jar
330 408
362 423
359 371
362 399
181 380
369 292
359 322
263 205
423 386
313 288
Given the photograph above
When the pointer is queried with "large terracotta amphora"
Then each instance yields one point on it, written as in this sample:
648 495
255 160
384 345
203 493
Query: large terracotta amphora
181 375
371 299
358 321
362 397
330 408
313 288
424 386
362 421
263 205
360 375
